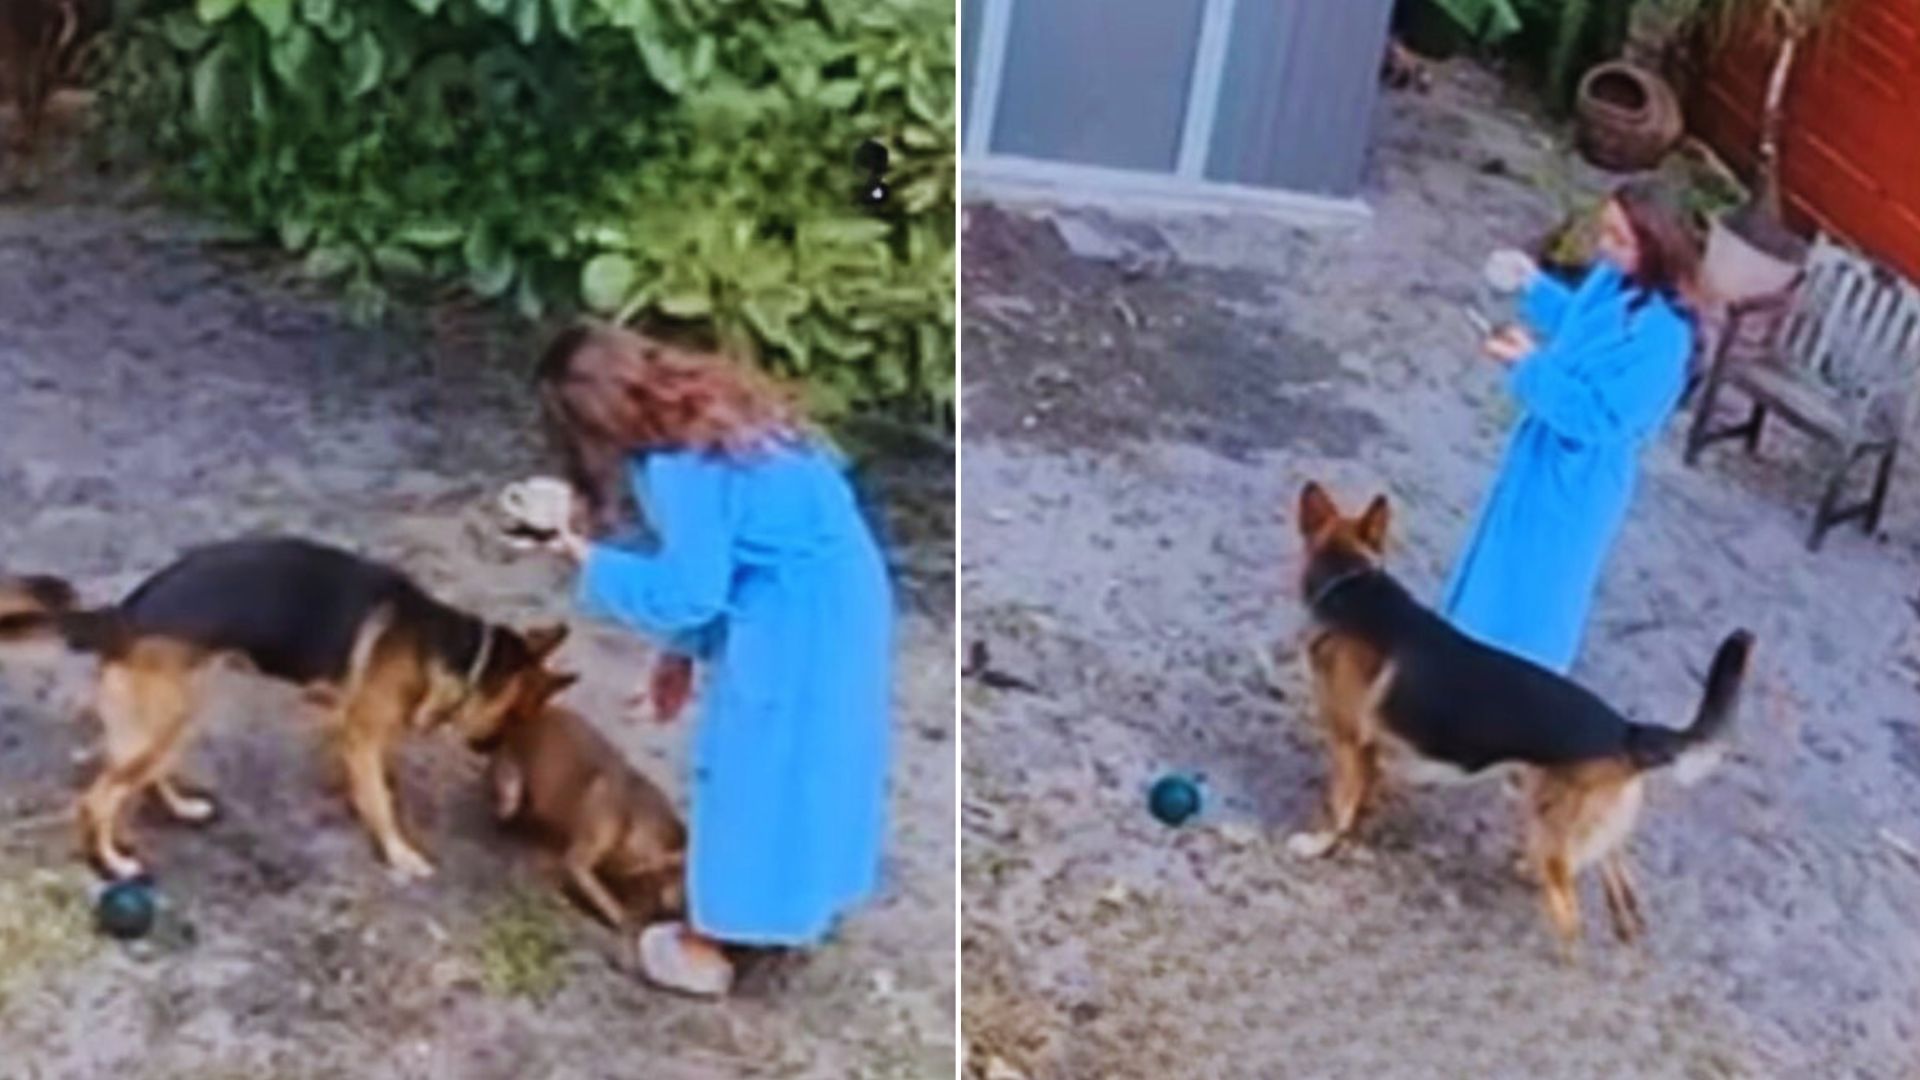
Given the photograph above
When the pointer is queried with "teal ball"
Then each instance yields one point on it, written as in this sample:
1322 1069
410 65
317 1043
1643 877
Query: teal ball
125 909
1174 799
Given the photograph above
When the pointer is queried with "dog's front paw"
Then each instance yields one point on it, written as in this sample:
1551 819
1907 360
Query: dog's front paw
409 865
194 809
1311 845
120 866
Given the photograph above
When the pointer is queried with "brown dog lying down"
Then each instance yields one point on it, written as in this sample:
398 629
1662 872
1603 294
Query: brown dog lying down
624 847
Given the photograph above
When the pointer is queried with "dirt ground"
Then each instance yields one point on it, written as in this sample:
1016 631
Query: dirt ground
1144 399
159 390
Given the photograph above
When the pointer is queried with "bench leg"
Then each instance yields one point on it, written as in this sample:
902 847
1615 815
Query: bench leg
1830 513
1751 429
1698 434
1881 481
1702 433
1826 516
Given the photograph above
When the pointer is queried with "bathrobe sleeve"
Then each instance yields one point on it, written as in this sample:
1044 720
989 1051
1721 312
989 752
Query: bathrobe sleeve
1545 302
1607 392
677 593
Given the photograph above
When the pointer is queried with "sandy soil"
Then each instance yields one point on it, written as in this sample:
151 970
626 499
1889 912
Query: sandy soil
157 391
1138 428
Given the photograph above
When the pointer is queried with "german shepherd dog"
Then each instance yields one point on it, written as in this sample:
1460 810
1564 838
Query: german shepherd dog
549 769
359 636
1395 685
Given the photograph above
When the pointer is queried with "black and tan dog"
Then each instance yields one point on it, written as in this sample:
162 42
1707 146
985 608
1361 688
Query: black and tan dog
359 636
1399 689
624 847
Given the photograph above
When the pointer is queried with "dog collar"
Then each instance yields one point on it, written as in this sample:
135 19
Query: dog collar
1320 594
478 668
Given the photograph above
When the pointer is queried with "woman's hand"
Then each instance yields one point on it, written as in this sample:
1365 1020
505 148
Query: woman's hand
1510 345
671 687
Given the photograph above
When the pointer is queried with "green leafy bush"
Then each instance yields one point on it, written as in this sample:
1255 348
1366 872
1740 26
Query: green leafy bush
678 159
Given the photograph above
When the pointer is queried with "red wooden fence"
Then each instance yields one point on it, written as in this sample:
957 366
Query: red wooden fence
1850 151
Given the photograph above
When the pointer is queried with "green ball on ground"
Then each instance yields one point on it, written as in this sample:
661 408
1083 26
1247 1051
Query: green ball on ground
1174 799
125 909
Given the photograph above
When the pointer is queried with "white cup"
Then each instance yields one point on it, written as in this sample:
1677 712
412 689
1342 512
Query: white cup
541 504
1510 271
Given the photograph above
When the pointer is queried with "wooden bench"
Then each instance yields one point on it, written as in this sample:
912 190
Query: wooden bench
1836 355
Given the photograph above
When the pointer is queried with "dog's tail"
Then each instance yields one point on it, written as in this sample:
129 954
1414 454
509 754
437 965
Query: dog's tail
43 608
1694 750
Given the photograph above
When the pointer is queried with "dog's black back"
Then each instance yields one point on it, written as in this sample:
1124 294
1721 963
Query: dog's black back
293 607
1462 702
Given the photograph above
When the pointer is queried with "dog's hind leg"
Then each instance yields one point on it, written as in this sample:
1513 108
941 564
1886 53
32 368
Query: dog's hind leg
590 846
1562 897
145 709
1623 903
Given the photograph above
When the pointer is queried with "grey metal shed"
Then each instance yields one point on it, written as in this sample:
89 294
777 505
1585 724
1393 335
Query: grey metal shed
1265 101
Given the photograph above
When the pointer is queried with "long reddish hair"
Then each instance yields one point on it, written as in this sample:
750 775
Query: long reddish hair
609 393
1669 254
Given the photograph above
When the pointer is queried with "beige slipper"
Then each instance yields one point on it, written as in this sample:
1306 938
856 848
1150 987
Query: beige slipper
665 961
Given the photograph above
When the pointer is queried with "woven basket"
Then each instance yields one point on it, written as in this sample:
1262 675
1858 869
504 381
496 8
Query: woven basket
1628 117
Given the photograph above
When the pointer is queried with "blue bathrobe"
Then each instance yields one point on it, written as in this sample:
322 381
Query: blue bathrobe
767 572
1608 373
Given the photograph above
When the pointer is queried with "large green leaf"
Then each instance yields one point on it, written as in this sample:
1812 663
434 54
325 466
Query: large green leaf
526 20
213 97
489 264
773 311
365 63
665 63
184 31
398 260
845 232
606 283
328 262
566 17
213 11
293 55
838 94
429 235
275 15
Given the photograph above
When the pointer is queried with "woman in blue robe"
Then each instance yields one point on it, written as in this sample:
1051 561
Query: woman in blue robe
766 574
1605 375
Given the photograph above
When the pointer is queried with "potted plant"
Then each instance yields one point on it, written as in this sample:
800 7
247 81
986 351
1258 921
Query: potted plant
1749 251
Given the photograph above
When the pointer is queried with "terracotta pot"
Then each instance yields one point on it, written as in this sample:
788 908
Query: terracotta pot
1627 118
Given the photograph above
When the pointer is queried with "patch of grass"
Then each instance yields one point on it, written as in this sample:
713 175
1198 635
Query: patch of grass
45 925
523 947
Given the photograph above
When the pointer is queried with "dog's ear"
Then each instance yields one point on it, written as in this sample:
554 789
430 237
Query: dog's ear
542 641
555 683
1373 523
1316 509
